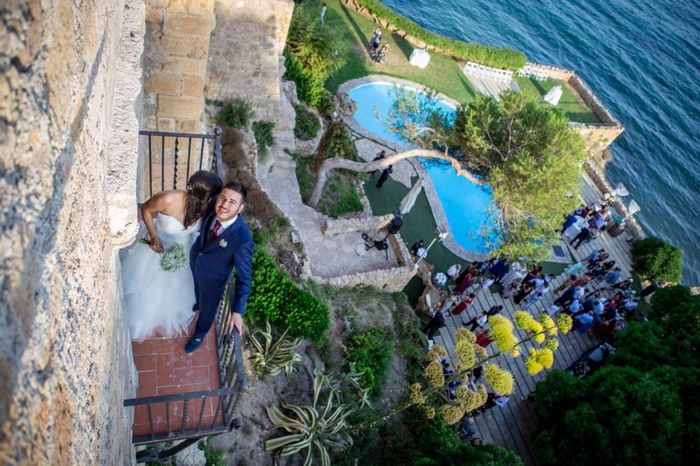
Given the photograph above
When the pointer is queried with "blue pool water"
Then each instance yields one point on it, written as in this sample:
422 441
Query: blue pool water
641 58
466 204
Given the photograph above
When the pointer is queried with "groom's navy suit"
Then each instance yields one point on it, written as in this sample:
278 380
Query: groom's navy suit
212 262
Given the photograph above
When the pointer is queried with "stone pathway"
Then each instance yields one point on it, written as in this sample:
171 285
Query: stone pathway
510 425
329 255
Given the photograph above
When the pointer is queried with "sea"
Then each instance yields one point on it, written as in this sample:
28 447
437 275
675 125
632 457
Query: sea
641 58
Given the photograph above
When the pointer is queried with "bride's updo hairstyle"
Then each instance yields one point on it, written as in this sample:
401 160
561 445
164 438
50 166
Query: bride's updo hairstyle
202 189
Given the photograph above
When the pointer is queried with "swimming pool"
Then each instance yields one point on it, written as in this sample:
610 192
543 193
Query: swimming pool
466 204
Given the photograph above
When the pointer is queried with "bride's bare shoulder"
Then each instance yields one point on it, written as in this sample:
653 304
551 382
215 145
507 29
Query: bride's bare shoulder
169 202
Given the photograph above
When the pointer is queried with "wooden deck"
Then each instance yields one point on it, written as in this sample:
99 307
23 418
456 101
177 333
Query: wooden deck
509 426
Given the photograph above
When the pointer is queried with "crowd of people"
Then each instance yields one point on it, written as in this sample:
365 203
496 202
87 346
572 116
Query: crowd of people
594 292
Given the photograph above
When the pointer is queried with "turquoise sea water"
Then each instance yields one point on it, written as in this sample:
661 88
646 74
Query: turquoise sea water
465 203
642 58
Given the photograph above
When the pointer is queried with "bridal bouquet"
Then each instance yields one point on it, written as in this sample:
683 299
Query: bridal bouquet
173 259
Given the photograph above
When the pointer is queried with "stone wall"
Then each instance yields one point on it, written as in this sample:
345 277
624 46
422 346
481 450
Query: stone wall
246 43
175 63
69 106
597 137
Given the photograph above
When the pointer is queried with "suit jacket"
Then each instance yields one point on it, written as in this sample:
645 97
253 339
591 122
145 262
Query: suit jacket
213 261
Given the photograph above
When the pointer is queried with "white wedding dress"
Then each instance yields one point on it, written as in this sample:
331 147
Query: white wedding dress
156 300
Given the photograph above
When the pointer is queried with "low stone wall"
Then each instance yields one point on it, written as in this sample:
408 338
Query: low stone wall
391 280
597 138
336 226
592 101
552 72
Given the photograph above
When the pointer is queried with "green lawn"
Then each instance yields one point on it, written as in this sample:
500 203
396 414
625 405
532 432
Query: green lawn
570 103
442 74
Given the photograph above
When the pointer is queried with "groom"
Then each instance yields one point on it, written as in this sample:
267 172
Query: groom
224 242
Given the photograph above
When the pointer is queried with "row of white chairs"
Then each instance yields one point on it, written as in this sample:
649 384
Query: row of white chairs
485 71
530 72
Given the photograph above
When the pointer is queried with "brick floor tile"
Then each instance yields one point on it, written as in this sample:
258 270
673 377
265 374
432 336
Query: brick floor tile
145 362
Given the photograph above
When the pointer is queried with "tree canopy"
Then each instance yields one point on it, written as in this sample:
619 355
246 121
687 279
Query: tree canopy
532 160
655 259
527 153
641 408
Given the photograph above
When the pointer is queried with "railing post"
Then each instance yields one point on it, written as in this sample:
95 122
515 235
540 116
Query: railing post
217 152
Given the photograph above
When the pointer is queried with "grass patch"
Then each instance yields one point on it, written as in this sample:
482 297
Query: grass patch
340 195
570 103
442 74
263 136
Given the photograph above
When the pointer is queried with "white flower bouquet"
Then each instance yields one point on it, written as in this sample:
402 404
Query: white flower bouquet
173 259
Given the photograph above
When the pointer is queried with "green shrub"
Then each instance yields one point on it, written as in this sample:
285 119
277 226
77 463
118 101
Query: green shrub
236 114
655 259
484 54
311 54
275 297
306 124
263 136
371 352
336 142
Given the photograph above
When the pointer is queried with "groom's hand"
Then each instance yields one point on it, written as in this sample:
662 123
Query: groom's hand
236 321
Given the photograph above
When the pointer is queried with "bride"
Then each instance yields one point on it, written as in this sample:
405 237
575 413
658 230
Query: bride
158 300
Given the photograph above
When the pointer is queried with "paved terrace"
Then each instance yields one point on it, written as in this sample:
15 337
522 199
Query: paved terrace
509 426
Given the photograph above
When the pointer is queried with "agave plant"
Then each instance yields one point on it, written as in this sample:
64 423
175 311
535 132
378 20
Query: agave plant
318 426
271 358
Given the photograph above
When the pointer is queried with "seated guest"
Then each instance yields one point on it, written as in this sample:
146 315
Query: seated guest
416 246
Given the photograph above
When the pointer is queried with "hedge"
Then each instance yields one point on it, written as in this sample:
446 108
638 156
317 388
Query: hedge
496 57
275 297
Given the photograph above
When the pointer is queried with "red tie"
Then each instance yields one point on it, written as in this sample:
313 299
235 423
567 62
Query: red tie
215 230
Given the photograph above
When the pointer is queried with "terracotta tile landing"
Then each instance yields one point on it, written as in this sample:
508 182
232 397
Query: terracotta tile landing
164 369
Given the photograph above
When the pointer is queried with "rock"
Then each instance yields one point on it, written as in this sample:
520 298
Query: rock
345 105
294 236
191 456
291 263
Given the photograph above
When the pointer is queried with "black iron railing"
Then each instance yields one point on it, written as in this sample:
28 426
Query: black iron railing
169 156
192 405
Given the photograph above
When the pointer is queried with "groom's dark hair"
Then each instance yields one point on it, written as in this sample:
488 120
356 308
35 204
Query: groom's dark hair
238 187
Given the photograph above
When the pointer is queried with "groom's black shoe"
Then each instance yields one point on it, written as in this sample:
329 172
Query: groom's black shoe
194 343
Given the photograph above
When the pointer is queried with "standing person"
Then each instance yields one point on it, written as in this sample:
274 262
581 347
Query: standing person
323 13
510 289
462 306
493 310
499 269
465 283
416 246
225 242
524 290
453 271
380 155
583 237
155 299
435 324
611 278
478 321
384 176
566 284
